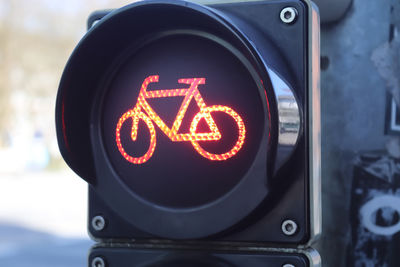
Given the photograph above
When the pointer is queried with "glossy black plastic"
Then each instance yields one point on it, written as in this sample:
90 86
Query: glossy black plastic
255 209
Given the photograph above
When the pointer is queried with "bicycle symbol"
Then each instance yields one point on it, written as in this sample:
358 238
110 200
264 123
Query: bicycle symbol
143 111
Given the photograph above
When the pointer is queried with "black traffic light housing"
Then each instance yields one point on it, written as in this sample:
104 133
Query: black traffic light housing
267 193
136 255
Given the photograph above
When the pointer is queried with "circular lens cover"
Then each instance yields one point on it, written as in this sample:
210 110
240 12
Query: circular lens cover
183 119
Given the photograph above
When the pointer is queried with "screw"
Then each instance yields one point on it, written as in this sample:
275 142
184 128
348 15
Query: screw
288 15
99 262
288 265
289 227
98 223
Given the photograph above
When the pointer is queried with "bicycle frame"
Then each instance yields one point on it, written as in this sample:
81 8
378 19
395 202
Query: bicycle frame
189 94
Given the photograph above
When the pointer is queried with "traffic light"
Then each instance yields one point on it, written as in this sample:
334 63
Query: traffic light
197 123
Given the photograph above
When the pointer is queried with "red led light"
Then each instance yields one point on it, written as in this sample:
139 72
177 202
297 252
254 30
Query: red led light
206 112
143 111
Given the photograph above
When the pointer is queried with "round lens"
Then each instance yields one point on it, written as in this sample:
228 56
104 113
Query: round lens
182 120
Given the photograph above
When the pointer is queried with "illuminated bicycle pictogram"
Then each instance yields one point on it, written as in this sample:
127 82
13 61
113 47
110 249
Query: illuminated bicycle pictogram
143 111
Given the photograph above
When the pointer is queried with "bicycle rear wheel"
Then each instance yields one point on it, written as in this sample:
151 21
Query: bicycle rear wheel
241 136
136 116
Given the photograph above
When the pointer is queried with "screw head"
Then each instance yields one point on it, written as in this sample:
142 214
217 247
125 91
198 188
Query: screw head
288 15
98 262
98 223
289 227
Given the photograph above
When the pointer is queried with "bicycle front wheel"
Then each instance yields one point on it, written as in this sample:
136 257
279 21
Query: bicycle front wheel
241 136
136 116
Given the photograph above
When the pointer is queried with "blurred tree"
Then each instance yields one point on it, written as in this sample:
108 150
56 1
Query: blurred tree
36 39
5 29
